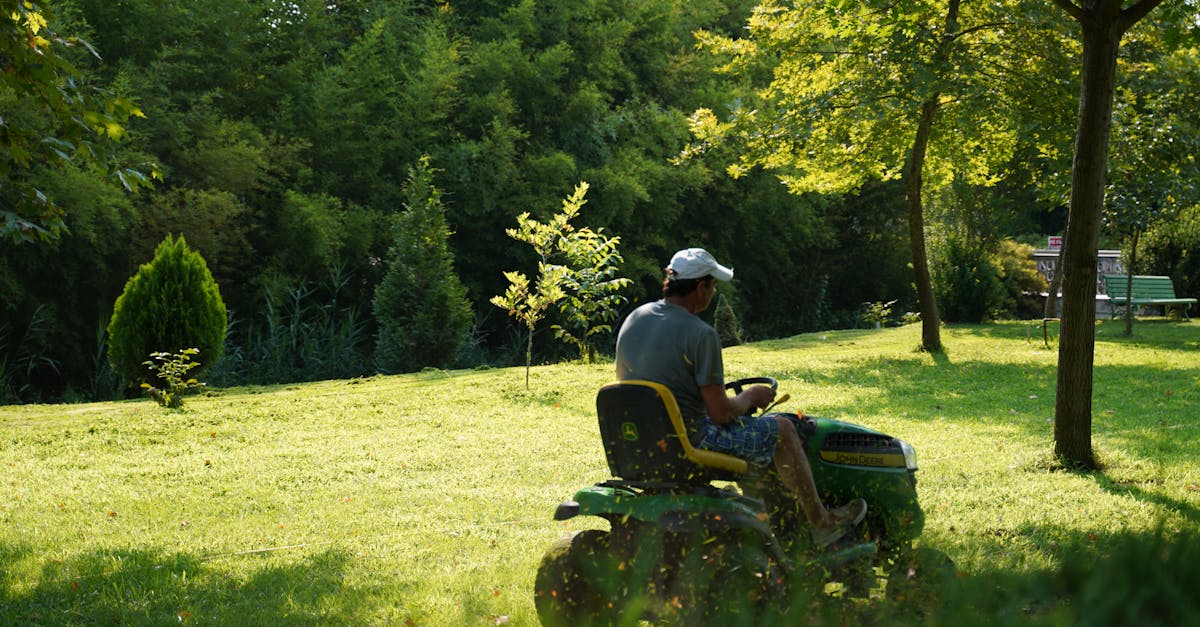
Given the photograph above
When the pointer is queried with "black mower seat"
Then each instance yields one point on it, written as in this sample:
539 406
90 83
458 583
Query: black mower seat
645 438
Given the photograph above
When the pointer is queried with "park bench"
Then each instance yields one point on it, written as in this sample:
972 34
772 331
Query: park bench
1145 290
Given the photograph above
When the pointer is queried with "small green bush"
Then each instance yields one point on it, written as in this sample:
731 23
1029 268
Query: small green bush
726 322
967 282
1023 284
878 313
1169 248
172 302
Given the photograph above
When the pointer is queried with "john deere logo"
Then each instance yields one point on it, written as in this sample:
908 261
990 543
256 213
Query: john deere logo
629 431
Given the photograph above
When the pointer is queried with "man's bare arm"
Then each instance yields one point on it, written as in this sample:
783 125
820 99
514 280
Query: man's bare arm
723 408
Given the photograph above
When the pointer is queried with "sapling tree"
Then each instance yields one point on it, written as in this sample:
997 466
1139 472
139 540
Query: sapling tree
577 269
172 376
591 285
528 302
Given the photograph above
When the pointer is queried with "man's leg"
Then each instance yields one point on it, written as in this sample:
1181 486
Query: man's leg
796 475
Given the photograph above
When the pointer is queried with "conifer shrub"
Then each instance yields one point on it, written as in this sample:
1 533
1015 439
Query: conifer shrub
726 322
172 303
421 305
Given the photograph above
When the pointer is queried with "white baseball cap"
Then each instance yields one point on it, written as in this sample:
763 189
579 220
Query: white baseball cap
695 263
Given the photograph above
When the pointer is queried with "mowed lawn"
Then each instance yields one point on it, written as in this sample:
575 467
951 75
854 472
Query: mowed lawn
426 499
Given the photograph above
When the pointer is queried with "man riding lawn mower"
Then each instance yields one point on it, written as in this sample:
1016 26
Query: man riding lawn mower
680 549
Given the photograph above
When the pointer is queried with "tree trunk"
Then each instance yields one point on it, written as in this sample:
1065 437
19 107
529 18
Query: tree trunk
1051 308
1076 348
1103 23
931 319
931 322
528 357
1129 283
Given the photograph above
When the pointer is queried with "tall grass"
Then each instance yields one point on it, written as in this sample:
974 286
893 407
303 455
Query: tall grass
306 333
425 499
23 353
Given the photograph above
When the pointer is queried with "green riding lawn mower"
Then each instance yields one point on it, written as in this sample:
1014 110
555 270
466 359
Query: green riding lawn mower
680 549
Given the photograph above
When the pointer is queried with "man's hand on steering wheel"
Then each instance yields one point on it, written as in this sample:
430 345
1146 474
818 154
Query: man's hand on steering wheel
759 394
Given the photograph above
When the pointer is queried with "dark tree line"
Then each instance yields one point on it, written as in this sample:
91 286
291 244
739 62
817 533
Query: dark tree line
285 132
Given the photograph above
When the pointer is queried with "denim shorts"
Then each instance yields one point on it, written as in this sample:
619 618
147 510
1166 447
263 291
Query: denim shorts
750 438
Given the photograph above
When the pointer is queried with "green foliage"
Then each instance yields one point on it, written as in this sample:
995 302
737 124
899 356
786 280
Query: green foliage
395 84
967 281
1154 172
285 131
171 301
308 234
171 371
726 322
877 313
421 306
590 284
576 270
846 81
214 221
1023 284
22 354
1170 248
308 331
526 302
51 116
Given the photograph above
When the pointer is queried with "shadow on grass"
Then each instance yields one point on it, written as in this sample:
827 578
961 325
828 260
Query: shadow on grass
1117 579
1146 578
1124 488
972 389
135 586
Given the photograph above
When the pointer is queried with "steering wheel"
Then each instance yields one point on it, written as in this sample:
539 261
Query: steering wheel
737 386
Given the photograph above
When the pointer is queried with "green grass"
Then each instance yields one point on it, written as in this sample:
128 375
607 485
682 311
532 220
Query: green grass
426 499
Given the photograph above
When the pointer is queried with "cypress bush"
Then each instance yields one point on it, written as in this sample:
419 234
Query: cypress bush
727 324
421 305
172 303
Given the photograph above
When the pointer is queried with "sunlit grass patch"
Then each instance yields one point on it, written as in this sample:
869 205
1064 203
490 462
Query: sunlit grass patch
428 497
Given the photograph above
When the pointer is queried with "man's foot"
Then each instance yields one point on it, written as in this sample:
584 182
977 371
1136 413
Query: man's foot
844 519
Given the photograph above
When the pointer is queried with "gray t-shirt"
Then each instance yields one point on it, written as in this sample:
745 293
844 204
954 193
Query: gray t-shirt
668 344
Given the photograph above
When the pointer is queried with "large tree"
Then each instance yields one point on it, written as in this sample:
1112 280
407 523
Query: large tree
1103 24
915 91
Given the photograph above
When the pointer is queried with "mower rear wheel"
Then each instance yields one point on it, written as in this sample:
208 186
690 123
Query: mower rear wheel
570 581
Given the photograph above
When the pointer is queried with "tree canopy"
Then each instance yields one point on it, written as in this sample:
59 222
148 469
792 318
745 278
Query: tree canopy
285 133
51 116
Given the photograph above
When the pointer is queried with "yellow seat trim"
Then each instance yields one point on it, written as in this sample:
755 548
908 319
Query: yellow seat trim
702 457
